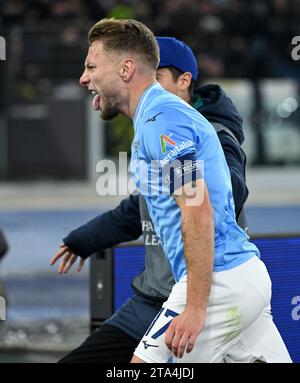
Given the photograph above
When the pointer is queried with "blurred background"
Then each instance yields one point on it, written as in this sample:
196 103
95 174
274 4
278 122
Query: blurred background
51 141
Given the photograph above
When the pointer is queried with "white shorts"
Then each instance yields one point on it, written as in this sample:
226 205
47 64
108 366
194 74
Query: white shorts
238 325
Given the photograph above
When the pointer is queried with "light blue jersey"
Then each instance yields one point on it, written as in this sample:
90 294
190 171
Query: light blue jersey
167 129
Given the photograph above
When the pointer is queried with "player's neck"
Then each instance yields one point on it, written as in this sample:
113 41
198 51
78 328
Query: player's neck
136 92
184 95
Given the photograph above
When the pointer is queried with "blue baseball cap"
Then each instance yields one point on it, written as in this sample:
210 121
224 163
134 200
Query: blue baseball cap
177 54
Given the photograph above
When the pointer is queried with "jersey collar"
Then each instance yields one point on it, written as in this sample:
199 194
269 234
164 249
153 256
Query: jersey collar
142 101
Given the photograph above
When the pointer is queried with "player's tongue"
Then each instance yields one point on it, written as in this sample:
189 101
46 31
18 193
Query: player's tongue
96 102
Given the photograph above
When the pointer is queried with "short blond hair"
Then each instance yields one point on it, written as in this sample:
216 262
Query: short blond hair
126 35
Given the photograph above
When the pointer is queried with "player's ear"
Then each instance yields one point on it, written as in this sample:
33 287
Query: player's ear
184 80
127 69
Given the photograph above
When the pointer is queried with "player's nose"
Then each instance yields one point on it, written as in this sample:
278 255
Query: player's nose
84 79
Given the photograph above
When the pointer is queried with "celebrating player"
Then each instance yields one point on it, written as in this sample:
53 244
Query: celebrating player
214 266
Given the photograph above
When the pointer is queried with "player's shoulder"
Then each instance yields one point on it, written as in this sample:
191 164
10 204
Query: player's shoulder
165 109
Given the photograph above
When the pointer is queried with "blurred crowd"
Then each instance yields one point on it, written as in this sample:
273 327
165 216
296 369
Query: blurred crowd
232 38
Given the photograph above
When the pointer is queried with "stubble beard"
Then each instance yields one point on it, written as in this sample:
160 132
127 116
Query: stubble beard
110 108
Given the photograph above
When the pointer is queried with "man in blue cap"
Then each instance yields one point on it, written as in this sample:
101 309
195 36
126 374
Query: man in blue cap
116 340
177 59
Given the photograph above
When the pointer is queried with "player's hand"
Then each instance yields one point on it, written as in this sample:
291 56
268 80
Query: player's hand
183 331
68 259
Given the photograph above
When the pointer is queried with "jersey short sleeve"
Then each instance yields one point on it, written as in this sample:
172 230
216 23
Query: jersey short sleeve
171 141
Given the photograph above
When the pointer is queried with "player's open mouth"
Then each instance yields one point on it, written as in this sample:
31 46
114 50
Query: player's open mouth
96 100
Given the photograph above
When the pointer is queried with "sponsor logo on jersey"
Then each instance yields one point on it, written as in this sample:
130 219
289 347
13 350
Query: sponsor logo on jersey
164 141
175 151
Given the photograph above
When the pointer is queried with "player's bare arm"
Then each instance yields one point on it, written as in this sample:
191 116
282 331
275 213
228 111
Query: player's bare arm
197 227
